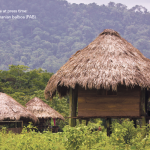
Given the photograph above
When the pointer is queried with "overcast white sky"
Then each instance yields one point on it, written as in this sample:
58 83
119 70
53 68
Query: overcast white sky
128 3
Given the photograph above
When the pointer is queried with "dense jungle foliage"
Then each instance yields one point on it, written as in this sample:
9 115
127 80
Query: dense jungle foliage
61 28
124 137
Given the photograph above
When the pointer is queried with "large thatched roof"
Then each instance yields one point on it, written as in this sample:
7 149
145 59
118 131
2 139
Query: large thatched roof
42 110
106 62
10 109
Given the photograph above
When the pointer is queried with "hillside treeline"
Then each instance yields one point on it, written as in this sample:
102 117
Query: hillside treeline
20 82
61 28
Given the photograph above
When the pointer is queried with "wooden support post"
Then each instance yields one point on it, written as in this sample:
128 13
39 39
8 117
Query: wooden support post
108 125
87 120
73 96
146 104
143 107
135 124
143 121
80 121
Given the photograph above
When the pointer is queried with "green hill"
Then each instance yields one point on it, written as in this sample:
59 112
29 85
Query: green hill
58 29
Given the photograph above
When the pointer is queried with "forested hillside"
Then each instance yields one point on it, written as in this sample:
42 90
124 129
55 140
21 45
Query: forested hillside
20 82
60 29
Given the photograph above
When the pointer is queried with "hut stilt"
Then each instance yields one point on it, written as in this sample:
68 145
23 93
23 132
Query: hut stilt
108 125
80 121
135 124
143 110
87 120
73 96
143 121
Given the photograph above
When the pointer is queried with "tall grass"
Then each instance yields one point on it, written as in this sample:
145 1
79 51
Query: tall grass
124 136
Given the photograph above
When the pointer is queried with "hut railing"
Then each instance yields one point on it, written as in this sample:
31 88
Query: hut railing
14 129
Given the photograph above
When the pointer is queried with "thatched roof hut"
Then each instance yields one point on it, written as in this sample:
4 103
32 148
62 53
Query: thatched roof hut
106 62
42 110
10 109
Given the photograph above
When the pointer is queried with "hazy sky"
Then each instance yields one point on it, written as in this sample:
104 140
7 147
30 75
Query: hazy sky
128 3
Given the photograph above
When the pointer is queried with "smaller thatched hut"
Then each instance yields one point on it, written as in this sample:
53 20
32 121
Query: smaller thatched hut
42 111
12 111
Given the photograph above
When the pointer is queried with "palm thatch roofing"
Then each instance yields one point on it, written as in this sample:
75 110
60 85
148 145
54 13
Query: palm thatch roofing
106 62
42 110
10 109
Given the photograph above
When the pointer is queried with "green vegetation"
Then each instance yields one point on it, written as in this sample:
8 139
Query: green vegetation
60 29
21 83
124 136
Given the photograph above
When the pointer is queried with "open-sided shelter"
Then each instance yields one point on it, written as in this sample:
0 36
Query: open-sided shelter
109 78
13 112
42 111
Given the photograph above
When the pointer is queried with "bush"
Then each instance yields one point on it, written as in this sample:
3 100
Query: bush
126 135
83 136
